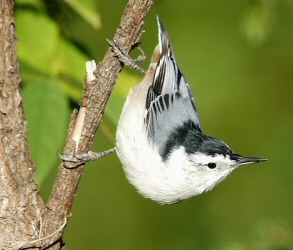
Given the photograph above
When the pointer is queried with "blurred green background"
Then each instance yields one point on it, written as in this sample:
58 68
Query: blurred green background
238 59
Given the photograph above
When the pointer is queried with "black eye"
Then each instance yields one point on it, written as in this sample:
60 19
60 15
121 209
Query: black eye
212 165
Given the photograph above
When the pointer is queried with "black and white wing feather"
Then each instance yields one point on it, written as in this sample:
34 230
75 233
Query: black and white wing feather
170 103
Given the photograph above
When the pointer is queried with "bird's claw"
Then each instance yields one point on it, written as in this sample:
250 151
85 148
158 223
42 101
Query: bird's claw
80 159
124 57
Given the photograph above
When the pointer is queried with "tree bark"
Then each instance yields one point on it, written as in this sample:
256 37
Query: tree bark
24 219
20 201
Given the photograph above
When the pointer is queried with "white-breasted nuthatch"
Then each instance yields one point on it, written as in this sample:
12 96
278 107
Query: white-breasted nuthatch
160 140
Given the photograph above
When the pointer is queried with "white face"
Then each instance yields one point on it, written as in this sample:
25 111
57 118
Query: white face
187 175
207 171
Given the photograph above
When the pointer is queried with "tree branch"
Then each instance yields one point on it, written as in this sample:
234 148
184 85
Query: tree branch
85 122
20 201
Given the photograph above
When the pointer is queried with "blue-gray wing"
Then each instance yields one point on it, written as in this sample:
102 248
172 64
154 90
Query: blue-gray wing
170 103
168 112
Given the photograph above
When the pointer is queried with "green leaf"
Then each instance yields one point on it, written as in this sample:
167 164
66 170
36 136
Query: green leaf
70 68
46 108
38 4
38 40
86 9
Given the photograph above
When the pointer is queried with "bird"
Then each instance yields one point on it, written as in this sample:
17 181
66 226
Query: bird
165 154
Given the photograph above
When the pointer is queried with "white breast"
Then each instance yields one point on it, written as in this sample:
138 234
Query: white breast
164 182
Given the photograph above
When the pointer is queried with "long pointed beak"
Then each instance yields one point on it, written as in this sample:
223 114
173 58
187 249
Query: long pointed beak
242 160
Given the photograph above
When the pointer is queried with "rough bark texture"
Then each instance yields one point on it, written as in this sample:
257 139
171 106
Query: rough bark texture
20 203
25 222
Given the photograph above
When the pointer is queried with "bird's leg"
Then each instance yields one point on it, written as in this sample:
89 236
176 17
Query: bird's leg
124 57
80 159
